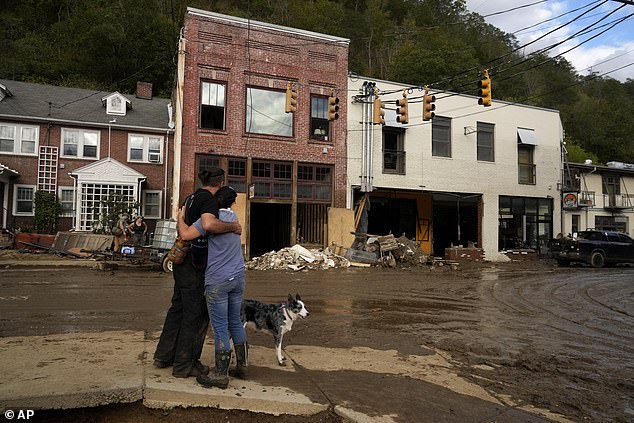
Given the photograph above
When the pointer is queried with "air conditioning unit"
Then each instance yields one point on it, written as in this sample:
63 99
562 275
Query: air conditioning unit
155 157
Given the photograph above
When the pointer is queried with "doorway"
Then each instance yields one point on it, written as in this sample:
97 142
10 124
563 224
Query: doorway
270 227
455 221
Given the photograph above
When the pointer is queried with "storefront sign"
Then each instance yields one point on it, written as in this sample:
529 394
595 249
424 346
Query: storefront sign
570 200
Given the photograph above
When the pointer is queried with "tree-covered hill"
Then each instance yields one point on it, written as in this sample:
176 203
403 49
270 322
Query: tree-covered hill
112 44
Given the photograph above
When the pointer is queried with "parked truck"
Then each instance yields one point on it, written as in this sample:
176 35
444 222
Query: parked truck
596 248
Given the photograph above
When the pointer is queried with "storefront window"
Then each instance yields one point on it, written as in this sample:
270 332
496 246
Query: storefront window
525 223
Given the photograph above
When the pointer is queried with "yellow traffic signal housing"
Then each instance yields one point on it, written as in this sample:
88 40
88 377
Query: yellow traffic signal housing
333 108
428 106
402 114
485 90
291 99
379 113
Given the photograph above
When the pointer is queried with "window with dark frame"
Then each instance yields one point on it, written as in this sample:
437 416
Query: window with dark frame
525 164
394 150
441 137
236 170
237 174
212 105
611 185
485 141
319 123
272 179
610 223
314 183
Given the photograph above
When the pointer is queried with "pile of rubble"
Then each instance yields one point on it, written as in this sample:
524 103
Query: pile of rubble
384 251
298 258
394 252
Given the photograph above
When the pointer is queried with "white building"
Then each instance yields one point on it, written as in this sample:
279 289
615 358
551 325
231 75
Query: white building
598 197
488 177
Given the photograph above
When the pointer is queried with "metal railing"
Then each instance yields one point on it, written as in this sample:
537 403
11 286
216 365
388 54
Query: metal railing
618 201
586 199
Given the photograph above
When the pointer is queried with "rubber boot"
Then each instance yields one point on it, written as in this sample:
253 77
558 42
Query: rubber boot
242 359
218 376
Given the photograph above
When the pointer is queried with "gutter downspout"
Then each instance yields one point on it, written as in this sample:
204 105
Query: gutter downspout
170 127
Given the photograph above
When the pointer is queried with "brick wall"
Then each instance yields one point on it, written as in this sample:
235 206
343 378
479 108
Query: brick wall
216 51
27 166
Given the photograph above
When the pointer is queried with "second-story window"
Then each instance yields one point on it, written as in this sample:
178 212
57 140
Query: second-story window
80 143
319 124
212 105
145 148
18 139
486 144
611 185
441 137
393 150
526 164
266 113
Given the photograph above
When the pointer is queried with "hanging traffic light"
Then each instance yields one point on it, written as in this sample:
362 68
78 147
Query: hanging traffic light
291 99
485 90
428 106
401 109
333 107
379 113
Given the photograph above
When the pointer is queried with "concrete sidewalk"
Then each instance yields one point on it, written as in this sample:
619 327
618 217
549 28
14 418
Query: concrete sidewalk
87 370
92 369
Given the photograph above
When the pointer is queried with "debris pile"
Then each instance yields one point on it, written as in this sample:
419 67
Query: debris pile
396 251
298 258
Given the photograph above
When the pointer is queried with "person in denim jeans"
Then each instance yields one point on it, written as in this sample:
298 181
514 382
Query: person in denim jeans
224 289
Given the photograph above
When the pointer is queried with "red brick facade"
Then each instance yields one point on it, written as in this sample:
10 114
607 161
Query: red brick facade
50 135
239 54
217 51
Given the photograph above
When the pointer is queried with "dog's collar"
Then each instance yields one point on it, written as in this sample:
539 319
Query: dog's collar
283 307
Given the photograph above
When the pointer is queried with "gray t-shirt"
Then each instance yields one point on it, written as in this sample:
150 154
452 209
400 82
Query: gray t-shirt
224 253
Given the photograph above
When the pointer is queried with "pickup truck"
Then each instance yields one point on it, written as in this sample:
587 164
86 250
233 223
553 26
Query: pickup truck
596 248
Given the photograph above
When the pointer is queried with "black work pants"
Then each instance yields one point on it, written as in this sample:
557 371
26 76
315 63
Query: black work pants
187 320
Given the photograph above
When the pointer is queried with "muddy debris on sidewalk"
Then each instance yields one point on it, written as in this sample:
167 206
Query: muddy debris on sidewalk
383 251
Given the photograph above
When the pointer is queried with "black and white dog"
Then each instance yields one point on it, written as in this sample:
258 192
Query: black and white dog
276 319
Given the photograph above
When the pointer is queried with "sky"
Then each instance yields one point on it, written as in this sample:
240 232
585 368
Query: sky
608 51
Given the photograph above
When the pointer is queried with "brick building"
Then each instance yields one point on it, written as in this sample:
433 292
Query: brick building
82 145
230 112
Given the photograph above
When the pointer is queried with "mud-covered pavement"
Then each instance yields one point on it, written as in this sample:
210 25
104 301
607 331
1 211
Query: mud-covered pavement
527 333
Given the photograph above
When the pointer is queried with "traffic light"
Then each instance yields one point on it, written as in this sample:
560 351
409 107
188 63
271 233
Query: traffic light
379 113
333 107
428 106
485 90
291 99
401 109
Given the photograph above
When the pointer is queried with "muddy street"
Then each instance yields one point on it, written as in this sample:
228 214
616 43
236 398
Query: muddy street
558 339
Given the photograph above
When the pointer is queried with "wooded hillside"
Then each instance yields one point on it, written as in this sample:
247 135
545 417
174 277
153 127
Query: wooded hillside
111 44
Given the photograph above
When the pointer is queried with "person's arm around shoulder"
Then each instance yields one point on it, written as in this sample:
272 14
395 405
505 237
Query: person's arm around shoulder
185 231
215 226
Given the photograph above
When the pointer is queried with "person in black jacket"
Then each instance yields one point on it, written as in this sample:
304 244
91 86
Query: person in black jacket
185 327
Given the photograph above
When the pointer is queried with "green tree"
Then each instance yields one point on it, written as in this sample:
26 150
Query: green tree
47 209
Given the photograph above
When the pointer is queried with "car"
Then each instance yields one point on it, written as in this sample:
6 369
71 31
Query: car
596 248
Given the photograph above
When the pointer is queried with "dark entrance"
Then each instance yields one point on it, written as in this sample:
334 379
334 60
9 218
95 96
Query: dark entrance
455 221
392 215
270 227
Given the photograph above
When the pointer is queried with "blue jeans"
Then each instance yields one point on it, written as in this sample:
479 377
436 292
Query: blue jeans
224 300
